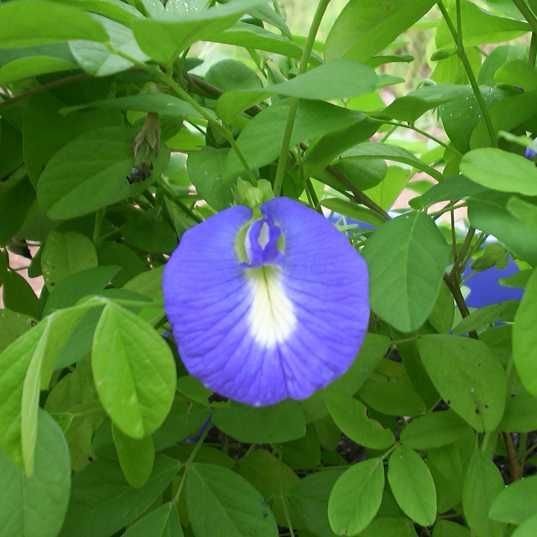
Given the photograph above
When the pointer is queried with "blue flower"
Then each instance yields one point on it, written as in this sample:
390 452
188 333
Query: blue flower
485 288
530 153
267 306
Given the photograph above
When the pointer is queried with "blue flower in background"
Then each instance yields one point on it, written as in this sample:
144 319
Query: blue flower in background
530 153
485 288
267 307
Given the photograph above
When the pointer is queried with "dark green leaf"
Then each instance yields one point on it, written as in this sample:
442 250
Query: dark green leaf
162 522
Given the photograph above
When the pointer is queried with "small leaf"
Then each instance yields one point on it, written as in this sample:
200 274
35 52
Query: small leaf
516 503
412 485
36 506
525 338
136 457
482 483
262 425
433 430
407 258
500 170
468 376
134 372
66 253
356 497
527 528
350 415
219 498
162 522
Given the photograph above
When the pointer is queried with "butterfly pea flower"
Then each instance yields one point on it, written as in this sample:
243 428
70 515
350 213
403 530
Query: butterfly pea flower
266 304
530 153
486 289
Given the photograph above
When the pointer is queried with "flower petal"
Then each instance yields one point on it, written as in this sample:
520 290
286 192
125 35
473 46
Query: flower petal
261 335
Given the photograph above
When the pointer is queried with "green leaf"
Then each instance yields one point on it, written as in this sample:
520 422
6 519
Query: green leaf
219 498
36 506
488 212
482 317
370 355
79 285
308 501
350 415
251 36
520 413
75 182
262 425
163 37
205 169
149 231
523 210
136 457
389 189
516 503
524 338
412 485
414 104
500 170
271 477
160 103
390 391
390 527
22 68
19 295
261 139
56 331
162 522
137 387
371 150
482 483
32 22
66 253
356 497
468 376
527 529
12 325
113 9
445 528
480 26
433 430
352 210
407 258
366 27
102 502
453 188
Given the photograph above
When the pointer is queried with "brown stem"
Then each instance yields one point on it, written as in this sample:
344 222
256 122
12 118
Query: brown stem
515 468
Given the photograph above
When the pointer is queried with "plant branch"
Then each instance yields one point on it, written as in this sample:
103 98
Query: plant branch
293 107
457 35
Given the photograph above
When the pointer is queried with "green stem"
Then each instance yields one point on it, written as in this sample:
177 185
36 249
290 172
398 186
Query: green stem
532 21
293 106
456 33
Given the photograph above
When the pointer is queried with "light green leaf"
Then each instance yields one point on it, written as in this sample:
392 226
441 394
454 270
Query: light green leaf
162 522
32 22
525 338
356 497
350 415
36 506
136 457
516 503
164 36
262 425
352 210
407 258
137 386
221 500
482 483
66 253
527 528
500 170
412 485
12 325
445 528
520 413
468 376
433 430
102 502
98 59
75 182
366 27
389 189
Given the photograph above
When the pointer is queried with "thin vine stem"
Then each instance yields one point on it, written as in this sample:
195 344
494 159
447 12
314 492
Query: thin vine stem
293 106
457 35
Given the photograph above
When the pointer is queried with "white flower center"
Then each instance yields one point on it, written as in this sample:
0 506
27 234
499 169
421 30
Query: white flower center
272 318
